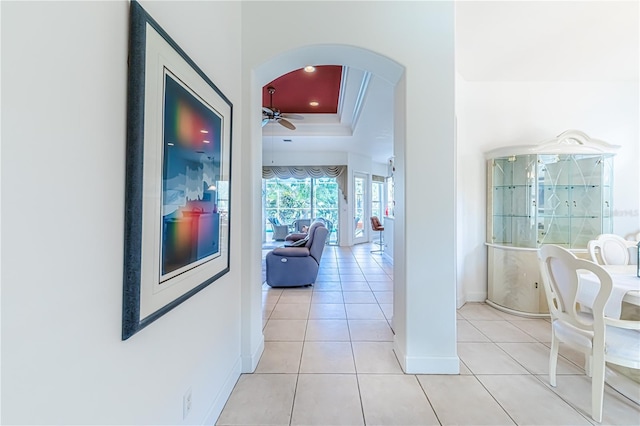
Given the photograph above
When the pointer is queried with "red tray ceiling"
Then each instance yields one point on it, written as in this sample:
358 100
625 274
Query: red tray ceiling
296 89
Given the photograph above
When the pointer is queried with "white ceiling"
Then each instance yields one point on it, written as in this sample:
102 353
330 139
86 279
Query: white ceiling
495 41
547 40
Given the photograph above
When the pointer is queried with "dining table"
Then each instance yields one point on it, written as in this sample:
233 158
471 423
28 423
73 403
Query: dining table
625 291
623 303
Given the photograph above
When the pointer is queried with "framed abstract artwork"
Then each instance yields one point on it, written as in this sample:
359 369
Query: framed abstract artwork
178 176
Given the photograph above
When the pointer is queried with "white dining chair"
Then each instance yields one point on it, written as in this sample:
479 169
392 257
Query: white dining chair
610 249
601 339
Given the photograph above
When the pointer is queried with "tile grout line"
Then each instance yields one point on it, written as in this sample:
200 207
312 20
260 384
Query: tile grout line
424 392
529 373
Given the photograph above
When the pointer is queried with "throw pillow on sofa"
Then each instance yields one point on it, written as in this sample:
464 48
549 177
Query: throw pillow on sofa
300 243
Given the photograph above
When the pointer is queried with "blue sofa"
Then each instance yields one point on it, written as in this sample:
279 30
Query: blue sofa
294 266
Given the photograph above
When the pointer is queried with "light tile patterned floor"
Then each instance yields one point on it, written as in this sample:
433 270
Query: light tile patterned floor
328 360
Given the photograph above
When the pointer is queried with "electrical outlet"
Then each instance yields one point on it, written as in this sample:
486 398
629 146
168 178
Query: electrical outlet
186 403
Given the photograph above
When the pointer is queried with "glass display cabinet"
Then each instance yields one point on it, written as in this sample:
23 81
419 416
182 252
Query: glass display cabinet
557 192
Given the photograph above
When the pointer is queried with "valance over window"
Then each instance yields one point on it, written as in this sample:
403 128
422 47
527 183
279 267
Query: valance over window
303 172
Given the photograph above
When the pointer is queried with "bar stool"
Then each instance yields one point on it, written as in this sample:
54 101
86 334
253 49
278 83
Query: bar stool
377 226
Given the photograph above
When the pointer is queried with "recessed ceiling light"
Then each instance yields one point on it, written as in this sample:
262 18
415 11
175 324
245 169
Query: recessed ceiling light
170 143
204 131
309 68
314 103
205 141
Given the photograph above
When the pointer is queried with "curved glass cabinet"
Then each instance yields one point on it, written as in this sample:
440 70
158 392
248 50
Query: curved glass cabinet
557 192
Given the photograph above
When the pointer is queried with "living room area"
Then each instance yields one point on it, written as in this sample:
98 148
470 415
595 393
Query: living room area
290 204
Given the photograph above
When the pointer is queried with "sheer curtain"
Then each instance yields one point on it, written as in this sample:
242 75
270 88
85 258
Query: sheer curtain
303 172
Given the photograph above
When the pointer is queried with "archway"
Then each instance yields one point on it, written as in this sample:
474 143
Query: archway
350 56
416 56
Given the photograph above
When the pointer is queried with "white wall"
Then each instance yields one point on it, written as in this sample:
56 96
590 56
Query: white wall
63 176
495 114
419 37
380 169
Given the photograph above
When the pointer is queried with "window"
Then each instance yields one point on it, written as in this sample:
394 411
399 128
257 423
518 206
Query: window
291 199
390 210
288 199
377 196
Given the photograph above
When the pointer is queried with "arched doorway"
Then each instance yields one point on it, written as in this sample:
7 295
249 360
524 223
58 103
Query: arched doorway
350 56
418 57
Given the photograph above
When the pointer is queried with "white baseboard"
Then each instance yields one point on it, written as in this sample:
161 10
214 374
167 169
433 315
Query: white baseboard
432 365
399 355
478 296
222 397
249 363
460 301
427 365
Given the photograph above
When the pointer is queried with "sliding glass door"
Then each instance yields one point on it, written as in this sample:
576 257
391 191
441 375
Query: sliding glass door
324 204
360 219
287 199
296 202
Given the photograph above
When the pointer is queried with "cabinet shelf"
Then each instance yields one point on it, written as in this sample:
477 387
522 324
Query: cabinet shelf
550 186
513 215
557 216
558 192
552 216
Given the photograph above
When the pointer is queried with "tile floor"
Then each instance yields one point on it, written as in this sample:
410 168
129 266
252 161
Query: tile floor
328 360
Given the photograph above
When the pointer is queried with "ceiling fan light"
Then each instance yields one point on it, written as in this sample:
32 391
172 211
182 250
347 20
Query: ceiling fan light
309 68
314 103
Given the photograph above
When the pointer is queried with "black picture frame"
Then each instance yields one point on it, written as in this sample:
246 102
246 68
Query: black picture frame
178 177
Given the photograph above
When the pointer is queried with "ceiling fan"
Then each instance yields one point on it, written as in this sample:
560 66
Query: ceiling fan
273 114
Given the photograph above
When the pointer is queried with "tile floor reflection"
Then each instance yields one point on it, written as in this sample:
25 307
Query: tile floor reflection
328 360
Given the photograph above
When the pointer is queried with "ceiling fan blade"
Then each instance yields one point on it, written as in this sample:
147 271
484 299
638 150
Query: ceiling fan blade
293 116
286 123
267 110
265 120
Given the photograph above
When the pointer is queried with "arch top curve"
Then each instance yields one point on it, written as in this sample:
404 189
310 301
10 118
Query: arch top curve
329 54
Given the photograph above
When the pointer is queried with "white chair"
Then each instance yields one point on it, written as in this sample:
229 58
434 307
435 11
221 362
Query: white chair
633 236
610 249
600 338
